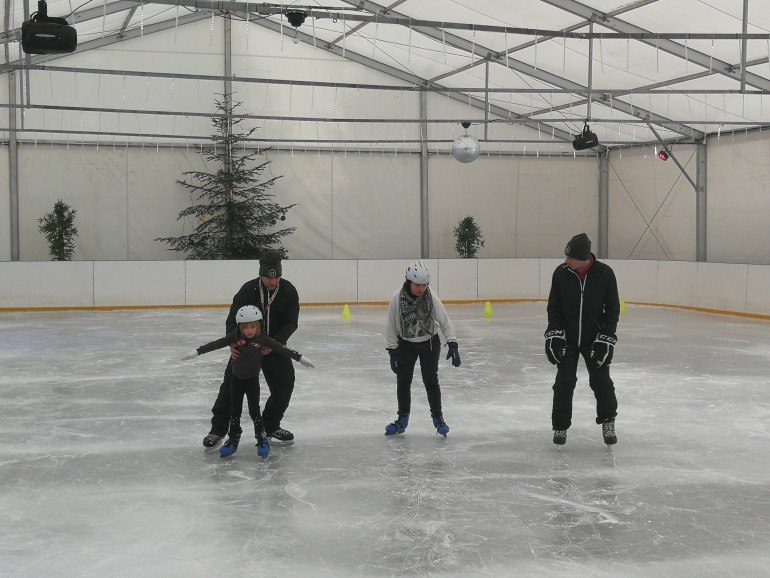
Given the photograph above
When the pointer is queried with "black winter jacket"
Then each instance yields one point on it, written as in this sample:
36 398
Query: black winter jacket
584 309
279 319
249 360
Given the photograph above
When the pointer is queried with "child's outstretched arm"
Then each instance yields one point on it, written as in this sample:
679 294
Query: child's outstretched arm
228 339
276 346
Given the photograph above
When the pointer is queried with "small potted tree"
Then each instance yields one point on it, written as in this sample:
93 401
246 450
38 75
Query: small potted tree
58 228
468 238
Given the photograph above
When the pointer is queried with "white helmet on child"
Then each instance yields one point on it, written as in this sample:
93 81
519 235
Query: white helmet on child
418 273
248 313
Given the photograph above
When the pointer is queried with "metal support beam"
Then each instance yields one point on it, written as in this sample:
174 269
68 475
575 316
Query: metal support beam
744 44
13 152
672 156
660 42
604 205
701 206
424 216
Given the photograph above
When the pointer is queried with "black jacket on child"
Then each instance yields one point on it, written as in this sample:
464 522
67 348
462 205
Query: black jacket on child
249 360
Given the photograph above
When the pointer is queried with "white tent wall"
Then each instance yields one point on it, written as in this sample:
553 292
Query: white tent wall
739 198
524 206
652 205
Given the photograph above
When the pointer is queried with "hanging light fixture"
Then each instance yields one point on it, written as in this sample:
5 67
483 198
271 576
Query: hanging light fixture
466 148
585 140
663 155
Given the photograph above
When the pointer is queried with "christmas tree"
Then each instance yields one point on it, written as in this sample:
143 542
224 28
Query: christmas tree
234 210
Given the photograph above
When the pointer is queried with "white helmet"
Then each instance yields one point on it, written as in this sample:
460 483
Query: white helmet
248 313
418 273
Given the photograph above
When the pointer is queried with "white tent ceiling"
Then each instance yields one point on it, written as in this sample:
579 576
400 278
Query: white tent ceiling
637 71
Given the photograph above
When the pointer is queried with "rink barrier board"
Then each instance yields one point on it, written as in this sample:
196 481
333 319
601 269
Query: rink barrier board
737 289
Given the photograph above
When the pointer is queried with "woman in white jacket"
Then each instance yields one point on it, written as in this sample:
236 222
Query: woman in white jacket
415 315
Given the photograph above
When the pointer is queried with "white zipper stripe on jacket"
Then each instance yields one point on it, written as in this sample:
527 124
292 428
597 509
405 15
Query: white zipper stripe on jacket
582 283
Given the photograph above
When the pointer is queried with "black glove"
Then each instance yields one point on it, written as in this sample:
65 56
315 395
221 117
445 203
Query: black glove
454 353
395 358
602 349
555 344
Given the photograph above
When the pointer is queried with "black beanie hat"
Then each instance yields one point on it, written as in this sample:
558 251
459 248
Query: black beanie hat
270 265
579 248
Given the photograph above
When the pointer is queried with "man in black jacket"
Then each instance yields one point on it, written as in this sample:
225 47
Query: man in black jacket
278 301
583 312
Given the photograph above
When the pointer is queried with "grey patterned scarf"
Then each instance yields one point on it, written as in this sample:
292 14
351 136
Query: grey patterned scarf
416 314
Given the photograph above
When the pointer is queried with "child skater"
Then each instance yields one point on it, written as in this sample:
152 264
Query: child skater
248 339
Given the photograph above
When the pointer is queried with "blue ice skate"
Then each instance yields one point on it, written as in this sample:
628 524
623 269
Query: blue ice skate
263 446
441 427
230 446
397 426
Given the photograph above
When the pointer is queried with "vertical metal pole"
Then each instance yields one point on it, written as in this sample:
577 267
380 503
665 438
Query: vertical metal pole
13 148
701 207
744 42
590 66
486 100
604 204
424 216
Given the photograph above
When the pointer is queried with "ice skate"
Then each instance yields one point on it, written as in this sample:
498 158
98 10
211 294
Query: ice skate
560 437
441 427
398 426
212 440
608 431
281 435
230 447
263 446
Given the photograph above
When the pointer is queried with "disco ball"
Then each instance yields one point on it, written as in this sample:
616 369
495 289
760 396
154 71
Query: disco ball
466 149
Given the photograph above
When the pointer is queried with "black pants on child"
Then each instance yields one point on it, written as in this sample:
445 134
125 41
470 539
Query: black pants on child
428 353
566 379
250 388
278 371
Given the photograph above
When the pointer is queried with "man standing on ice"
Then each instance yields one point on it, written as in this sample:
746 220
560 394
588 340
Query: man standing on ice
583 312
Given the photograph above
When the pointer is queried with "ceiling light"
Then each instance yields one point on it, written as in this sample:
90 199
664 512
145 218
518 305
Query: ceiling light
663 155
585 140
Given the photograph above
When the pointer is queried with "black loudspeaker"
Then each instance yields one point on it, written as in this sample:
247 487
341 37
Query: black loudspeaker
586 140
48 36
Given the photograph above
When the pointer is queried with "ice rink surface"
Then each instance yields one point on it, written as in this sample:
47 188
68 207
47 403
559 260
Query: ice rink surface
102 471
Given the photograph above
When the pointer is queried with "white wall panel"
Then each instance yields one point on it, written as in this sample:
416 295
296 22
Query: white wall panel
557 199
757 293
375 206
547 269
323 281
637 280
524 207
49 284
138 283
306 179
651 206
722 286
509 278
738 199
379 279
458 279
678 283
215 282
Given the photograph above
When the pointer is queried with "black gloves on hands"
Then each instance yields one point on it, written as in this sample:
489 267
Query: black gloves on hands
555 344
395 358
602 349
453 353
